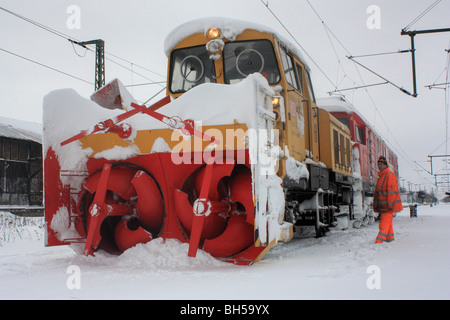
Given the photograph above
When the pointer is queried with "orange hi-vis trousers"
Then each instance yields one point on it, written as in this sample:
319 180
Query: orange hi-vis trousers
386 229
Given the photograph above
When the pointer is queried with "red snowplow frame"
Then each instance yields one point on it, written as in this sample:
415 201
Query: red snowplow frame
114 185
236 243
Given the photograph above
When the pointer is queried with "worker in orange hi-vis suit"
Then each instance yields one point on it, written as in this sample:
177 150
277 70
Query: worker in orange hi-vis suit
386 201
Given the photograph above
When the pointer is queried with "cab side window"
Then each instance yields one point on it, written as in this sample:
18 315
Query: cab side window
288 66
300 76
360 134
310 88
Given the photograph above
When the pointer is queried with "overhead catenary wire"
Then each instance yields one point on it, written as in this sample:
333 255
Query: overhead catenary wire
359 87
301 47
134 64
144 84
117 63
382 53
46 66
329 31
380 76
133 72
420 16
68 37
39 25
77 41
403 154
446 87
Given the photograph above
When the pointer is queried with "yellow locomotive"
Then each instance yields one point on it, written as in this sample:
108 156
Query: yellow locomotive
234 157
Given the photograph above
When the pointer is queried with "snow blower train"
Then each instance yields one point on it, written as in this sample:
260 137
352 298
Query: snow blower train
235 157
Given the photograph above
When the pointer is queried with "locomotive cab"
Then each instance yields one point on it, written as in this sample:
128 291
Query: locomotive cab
222 56
199 59
227 53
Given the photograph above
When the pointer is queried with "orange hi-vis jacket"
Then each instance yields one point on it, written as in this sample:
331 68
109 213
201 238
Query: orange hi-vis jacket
386 197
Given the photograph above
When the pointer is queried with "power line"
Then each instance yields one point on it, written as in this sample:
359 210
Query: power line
40 25
44 65
380 76
327 28
144 84
74 40
359 87
134 64
408 160
292 36
382 53
132 71
420 16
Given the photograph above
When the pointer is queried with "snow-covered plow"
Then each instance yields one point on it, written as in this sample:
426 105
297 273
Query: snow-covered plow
115 178
233 158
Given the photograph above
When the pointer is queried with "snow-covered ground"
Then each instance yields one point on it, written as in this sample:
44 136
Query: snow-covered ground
346 264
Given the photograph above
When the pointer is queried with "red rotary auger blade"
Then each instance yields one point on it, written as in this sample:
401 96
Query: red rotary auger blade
200 210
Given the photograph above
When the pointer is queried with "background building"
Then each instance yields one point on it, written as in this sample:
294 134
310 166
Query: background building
21 175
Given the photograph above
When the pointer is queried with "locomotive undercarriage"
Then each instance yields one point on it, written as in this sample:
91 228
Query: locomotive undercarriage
325 197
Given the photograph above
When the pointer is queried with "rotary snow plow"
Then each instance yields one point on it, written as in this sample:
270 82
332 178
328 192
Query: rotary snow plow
137 173
233 158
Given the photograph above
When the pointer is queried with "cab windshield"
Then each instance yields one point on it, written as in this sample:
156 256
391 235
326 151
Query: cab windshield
193 66
246 57
189 68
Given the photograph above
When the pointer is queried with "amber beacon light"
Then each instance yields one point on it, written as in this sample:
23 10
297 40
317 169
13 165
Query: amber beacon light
213 33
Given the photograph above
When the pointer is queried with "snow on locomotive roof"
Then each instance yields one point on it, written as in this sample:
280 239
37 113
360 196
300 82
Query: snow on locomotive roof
230 28
339 104
336 104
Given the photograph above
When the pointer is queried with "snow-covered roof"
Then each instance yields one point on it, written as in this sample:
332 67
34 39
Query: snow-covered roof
339 104
336 104
22 130
230 29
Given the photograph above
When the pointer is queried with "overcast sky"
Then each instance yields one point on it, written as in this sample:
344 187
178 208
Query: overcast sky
134 32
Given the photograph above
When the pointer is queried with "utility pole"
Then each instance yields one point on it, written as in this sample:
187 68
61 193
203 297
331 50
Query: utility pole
435 174
437 156
412 34
99 60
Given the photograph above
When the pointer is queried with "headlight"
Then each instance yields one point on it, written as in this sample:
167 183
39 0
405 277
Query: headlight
275 101
213 33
